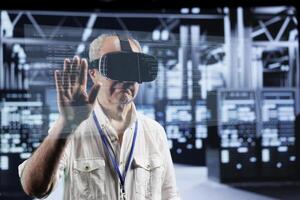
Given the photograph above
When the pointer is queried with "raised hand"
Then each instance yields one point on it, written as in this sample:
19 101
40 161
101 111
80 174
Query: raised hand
74 104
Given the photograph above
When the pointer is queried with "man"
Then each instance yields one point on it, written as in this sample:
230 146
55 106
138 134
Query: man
100 144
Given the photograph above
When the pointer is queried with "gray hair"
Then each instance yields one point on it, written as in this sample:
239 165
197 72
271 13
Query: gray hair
97 44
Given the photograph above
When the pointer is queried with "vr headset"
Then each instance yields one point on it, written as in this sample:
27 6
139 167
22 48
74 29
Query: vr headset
126 65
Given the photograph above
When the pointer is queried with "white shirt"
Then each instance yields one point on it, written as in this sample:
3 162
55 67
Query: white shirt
89 174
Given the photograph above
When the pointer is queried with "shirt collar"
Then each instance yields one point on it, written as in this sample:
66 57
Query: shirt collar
104 120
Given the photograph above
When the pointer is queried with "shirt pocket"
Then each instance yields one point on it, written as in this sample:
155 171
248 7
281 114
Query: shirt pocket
148 177
89 178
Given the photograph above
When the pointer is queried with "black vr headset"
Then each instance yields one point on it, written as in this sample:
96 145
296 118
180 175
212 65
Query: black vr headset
126 65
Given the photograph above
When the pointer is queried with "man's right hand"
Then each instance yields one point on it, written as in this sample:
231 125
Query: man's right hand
74 104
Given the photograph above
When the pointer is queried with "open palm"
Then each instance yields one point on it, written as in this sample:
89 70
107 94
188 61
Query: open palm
74 104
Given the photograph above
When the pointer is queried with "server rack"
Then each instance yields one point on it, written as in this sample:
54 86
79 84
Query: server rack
23 125
277 133
186 145
237 114
258 136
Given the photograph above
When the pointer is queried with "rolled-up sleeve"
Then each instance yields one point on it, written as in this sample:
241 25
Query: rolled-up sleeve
62 166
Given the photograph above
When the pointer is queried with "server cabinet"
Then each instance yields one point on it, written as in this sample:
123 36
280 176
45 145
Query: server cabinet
277 132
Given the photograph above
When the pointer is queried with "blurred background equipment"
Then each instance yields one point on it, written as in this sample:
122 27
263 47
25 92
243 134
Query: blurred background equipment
277 133
23 119
257 136
238 152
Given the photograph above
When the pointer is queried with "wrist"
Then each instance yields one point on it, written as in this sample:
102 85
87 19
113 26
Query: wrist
66 122
68 126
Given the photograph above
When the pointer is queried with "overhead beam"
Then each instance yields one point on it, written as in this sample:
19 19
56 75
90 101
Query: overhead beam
282 28
258 30
275 43
36 41
266 31
35 25
17 19
87 32
123 15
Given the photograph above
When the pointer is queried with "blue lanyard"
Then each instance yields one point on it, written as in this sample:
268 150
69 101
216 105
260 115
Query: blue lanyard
111 157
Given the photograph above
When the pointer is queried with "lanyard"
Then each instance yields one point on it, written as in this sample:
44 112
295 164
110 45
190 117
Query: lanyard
112 157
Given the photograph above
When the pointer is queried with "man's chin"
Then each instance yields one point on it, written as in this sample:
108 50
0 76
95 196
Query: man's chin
125 99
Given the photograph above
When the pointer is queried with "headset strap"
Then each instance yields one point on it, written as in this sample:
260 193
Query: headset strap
124 43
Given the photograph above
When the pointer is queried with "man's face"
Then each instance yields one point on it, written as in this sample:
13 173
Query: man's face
115 92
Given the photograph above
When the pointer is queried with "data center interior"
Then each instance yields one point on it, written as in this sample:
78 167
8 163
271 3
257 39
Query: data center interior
227 92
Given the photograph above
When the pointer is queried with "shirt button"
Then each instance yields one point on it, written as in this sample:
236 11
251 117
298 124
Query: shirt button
87 167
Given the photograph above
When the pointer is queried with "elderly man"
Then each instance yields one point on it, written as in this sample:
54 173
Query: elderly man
100 144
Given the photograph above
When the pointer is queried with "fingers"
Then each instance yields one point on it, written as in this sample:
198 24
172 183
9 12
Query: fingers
94 93
83 73
66 77
74 76
75 66
58 81
66 74
74 73
67 65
